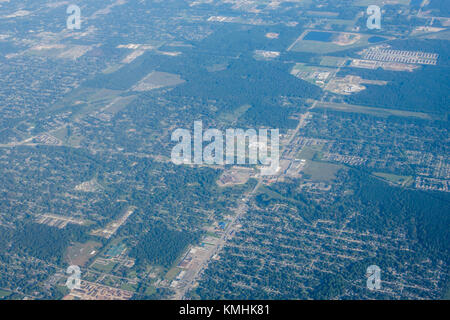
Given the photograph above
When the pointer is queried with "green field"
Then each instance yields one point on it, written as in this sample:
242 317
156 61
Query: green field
332 61
156 80
380 3
150 290
270 193
4 293
275 195
371 110
441 35
302 67
84 95
233 115
321 171
310 152
104 268
112 68
313 46
330 24
212 234
84 101
402 180
128 287
172 273
80 253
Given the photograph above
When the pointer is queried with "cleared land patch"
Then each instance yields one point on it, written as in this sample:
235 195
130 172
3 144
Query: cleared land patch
331 61
156 80
85 100
317 41
366 3
59 222
401 180
321 171
4 293
234 176
80 253
59 51
310 152
234 114
370 110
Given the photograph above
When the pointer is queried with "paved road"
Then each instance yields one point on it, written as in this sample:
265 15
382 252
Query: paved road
194 275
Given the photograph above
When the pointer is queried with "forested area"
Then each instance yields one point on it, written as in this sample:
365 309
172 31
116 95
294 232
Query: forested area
40 241
250 81
161 245
441 5
423 90
423 214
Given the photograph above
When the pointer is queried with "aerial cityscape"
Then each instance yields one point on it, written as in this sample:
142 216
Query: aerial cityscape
224 150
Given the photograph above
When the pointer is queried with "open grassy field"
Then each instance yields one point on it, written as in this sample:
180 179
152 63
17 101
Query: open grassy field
401 180
107 268
80 253
302 67
272 194
85 95
338 42
233 115
172 273
347 25
118 104
322 13
212 234
380 112
4 293
380 3
330 61
275 195
321 171
310 152
156 80
150 290
112 68
441 35
68 137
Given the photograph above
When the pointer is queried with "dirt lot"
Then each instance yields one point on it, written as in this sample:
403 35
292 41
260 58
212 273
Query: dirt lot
80 253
